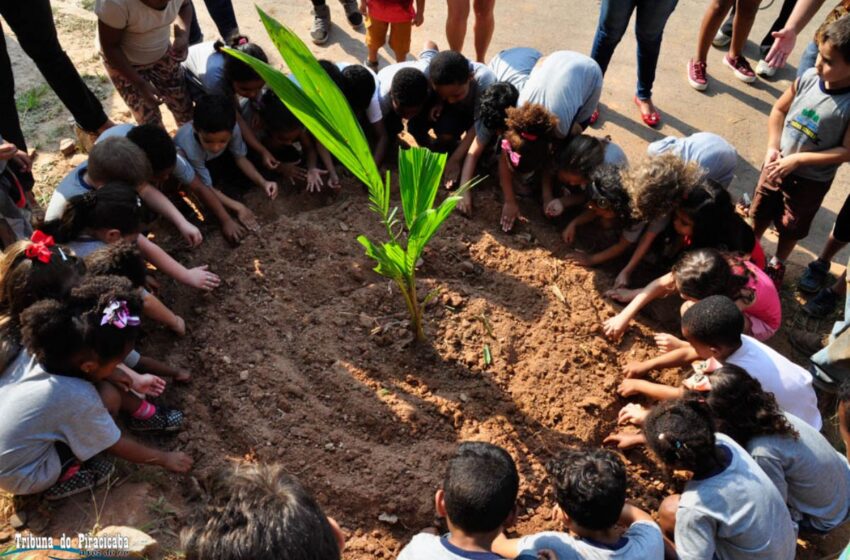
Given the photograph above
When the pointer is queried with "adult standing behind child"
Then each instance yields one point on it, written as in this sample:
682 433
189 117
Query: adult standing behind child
134 37
485 25
397 17
808 138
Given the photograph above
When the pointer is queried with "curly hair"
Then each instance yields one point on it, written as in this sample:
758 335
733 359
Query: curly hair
119 259
590 486
708 204
114 206
605 183
529 131
742 409
708 272
656 186
681 434
494 102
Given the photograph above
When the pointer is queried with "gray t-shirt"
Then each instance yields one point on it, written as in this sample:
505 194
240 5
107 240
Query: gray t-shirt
39 410
385 82
736 514
812 477
205 69
190 148
641 541
425 546
513 66
816 121
183 172
72 185
566 83
614 155
712 153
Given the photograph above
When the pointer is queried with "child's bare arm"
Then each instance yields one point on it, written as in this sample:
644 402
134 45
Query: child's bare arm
510 208
135 452
675 358
251 139
270 187
453 166
631 514
198 277
208 196
382 142
655 391
154 309
505 547
776 120
156 367
660 287
612 252
470 163
641 250
569 233
160 204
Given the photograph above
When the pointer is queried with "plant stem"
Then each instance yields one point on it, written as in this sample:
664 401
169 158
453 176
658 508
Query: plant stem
408 288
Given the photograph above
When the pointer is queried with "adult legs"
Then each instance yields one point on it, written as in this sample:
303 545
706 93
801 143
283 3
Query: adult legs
10 124
458 13
652 16
614 18
222 15
33 24
485 24
711 20
745 16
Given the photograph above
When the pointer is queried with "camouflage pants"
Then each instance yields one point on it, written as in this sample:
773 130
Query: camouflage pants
167 76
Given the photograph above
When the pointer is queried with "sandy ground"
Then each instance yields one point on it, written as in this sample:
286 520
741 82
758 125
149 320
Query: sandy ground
367 421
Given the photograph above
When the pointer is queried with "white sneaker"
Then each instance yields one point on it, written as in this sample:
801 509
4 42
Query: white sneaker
721 39
764 69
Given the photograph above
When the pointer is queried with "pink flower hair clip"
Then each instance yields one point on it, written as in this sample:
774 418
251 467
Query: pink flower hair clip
118 315
513 156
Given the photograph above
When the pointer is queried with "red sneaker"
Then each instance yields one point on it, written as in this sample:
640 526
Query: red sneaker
696 74
742 69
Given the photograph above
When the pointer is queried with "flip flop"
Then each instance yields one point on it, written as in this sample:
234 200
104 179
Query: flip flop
652 119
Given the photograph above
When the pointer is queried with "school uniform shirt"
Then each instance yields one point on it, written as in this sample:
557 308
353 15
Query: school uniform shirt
816 121
734 514
717 157
641 541
482 77
183 172
789 383
385 82
568 84
74 184
190 148
425 546
812 477
40 409
205 69
147 31
373 111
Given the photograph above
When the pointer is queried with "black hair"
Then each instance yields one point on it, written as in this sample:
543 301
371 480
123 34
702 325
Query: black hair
359 86
56 333
335 74
480 486
606 184
582 154
837 33
119 259
214 113
449 68
590 486
494 101
157 145
118 159
715 321
275 115
707 272
742 409
234 69
716 223
681 434
114 206
410 88
259 512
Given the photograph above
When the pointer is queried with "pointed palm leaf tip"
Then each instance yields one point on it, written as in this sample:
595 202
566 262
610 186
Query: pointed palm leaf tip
319 105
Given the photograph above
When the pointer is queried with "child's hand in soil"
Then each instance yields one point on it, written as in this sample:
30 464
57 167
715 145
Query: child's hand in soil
333 181
182 376
554 208
634 369
569 234
177 461
314 179
668 342
233 231
625 441
510 214
151 284
292 171
270 161
632 413
631 387
191 234
464 205
615 327
622 280
451 174
247 218
202 279
149 385
270 187
579 258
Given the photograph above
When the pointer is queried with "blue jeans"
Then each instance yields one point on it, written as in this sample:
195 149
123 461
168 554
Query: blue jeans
810 56
614 19
222 15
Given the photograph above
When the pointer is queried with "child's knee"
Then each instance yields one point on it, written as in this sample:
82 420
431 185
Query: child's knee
110 396
667 514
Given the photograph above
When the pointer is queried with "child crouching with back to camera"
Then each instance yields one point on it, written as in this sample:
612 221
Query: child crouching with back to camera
59 413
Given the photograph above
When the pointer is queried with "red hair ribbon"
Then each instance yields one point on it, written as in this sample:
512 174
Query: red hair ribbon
528 136
40 246
242 41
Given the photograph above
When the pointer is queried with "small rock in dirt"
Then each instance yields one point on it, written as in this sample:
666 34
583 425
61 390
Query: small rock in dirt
243 375
463 397
387 518
18 520
226 359
67 147
343 226
590 402
141 545
467 266
329 447
366 321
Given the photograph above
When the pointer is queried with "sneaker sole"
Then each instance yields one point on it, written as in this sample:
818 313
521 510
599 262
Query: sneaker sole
696 85
98 482
743 77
